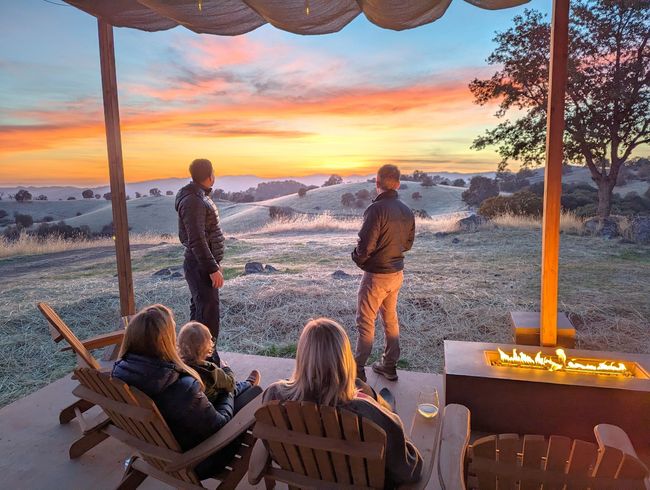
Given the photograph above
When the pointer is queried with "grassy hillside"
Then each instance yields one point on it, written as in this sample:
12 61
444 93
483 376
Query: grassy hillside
157 214
581 175
146 215
58 210
437 200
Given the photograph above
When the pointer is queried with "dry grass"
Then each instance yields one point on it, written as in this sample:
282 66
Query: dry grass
459 287
29 245
569 222
327 222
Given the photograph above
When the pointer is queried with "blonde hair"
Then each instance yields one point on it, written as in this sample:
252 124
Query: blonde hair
325 368
194 342
152 333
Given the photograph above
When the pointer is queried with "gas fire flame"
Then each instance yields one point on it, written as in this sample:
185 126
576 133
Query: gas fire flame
559 362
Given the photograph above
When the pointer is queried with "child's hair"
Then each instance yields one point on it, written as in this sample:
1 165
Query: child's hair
194 342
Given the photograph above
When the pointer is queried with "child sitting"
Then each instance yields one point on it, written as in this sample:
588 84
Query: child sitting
197 349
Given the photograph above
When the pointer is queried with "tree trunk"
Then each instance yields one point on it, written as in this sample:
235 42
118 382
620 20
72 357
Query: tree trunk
605 188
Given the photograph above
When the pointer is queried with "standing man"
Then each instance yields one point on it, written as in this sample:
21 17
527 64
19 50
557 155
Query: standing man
388 231
200 233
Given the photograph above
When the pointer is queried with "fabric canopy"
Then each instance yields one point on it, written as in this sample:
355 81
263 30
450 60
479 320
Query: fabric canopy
234 17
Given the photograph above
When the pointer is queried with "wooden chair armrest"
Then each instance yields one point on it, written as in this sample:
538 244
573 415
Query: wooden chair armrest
453 446
424 434
103 340
613 436
228 433
259 462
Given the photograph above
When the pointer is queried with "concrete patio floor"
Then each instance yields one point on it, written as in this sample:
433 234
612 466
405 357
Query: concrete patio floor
34 446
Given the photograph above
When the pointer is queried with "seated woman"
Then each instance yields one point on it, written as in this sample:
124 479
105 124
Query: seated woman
325 374
150 362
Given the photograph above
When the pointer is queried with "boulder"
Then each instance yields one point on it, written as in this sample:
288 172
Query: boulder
339 274
270 268
253 268
604 227
640 230
455 240
471 223
163 272
421 213
440 234
173 276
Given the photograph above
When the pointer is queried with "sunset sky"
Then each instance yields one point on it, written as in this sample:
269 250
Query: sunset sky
268 103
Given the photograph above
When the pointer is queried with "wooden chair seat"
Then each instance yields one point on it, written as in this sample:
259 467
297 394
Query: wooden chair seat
92 431
310 446
136 421
533 462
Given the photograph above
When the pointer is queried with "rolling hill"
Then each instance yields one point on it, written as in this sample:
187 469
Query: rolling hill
157 214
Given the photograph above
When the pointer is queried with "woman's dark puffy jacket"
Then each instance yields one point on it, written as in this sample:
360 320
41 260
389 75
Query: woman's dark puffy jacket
178 396
198 226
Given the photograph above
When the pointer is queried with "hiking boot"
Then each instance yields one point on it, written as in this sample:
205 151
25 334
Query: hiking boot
387 372
361 374
254 377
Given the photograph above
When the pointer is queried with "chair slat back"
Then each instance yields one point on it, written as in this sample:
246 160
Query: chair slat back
59 330
533 462
137 416
323 443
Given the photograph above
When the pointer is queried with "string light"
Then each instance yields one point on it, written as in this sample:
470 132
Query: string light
307 7
200 5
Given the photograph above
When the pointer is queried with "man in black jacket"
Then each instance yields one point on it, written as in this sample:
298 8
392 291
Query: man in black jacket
200 233
388 231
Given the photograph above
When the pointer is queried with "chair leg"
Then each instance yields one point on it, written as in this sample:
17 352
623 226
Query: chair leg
269 484
86 443
238 465
68 413
132 478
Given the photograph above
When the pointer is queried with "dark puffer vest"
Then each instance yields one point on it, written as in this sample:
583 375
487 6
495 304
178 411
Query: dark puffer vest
198 227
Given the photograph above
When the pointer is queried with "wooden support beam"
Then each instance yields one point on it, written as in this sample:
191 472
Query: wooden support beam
116 168
553 171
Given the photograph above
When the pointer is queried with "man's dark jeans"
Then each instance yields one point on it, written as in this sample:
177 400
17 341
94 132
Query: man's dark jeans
204 306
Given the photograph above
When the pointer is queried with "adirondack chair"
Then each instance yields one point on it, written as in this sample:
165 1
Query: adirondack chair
137 422
533 461
325 448
92 433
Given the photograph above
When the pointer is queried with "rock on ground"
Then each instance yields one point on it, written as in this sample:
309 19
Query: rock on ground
604 227
471 223
253 268
640 230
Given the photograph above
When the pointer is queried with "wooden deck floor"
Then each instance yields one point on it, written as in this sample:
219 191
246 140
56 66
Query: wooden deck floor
34 447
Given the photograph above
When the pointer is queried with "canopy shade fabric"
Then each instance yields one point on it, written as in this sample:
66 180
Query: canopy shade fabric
234 17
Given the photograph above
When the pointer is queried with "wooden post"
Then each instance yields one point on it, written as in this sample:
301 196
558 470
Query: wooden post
116 168
553 172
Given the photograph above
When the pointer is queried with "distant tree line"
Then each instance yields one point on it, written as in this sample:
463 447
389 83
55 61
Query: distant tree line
581 198
264 191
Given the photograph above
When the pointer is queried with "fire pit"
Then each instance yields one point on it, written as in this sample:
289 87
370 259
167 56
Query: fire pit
560 362
528 390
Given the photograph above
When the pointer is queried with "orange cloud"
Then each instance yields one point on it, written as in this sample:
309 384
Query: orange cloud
342 128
